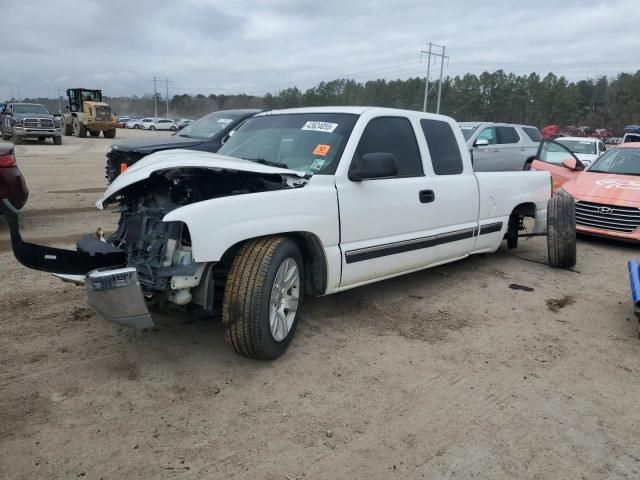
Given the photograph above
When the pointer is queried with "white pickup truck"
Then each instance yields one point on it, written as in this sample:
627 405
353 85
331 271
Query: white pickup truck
301 201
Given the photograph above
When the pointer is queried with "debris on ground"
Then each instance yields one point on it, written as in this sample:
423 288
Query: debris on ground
555 304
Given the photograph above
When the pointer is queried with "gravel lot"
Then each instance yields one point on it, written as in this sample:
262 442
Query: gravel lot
455 372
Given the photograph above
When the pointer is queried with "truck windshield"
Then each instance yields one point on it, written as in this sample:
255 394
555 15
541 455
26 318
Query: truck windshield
623 161
308 142
40 109
209 125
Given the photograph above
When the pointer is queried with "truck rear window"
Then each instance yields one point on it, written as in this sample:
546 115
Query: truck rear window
443 147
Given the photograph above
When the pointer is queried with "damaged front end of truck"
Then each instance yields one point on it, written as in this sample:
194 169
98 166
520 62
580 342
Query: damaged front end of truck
148 261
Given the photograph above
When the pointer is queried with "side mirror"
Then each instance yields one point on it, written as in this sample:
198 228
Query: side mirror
481 142
373 165
572 164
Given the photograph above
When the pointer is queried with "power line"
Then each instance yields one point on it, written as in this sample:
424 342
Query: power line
430 53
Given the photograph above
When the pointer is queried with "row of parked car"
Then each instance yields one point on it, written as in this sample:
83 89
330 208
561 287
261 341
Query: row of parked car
150 123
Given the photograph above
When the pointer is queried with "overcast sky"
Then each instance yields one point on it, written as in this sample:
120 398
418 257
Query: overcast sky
236 46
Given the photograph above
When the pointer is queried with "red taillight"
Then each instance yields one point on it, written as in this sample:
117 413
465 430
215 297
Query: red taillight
7 160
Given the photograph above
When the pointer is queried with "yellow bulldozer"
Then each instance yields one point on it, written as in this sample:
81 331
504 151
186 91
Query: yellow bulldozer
88 113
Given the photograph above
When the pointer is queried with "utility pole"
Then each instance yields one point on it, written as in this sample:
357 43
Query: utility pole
59 101
155 97
166 85
430 53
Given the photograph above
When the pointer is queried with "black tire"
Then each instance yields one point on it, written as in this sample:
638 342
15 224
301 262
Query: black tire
561 231
79 130
527 164
57 140
174 129
67 129
109 133
136 126
94 133
17 139
152 127
247 297
5 136
42 139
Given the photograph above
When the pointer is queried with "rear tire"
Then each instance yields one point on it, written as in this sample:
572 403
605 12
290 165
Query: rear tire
94 133
263 297
57 140
109 133
561 231
152 127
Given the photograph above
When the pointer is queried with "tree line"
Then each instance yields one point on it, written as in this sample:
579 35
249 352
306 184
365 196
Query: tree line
491 96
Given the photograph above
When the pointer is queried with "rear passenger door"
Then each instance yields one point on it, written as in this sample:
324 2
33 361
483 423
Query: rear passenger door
455 188
511 149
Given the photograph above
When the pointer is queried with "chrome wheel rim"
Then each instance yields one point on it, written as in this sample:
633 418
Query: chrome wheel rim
283 303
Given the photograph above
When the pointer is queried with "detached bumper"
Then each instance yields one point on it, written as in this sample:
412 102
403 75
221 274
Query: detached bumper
116 295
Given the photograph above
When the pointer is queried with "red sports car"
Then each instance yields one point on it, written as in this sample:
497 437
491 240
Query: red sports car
12 184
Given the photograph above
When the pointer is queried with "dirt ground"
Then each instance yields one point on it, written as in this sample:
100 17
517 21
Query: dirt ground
495 367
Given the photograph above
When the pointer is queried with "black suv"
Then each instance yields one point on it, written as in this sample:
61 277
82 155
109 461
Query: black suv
206 133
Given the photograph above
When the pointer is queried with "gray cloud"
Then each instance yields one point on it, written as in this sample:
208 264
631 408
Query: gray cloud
259 46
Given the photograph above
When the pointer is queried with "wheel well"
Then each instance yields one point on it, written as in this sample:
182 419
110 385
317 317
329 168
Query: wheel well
528 161
315 261
525 209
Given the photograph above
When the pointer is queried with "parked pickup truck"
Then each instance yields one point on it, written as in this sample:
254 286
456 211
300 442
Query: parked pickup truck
29 120
301 201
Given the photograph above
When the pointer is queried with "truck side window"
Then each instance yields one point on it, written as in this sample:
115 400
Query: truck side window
488 134
393 135
443 147
507 135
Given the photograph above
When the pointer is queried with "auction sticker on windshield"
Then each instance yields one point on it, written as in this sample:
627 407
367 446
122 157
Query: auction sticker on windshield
321 150
320 126
619 183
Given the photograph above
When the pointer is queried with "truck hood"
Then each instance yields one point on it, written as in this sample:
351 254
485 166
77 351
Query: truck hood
150 145
611 189
180 158
32 115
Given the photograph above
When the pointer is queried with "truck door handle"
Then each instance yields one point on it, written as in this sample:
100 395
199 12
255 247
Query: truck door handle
427 196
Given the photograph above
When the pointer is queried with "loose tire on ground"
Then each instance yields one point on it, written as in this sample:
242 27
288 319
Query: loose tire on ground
561 231
109 133
250 296
57 140
79 130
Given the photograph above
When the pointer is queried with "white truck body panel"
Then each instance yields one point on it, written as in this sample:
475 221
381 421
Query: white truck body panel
370 230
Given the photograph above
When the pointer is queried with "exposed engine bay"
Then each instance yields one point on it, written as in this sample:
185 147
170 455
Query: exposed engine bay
161 251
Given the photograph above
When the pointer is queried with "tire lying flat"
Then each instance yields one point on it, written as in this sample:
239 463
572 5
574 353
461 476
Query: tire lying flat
561 231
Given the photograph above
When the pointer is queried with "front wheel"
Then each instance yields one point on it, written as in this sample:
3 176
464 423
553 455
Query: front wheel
152 127
17 139
263 297
561 231
57 140
111 133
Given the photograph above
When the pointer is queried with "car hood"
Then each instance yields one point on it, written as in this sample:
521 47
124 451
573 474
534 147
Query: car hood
150 145
175 159
621 190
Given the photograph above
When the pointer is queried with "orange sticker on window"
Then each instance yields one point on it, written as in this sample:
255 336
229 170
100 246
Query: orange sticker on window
321 150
